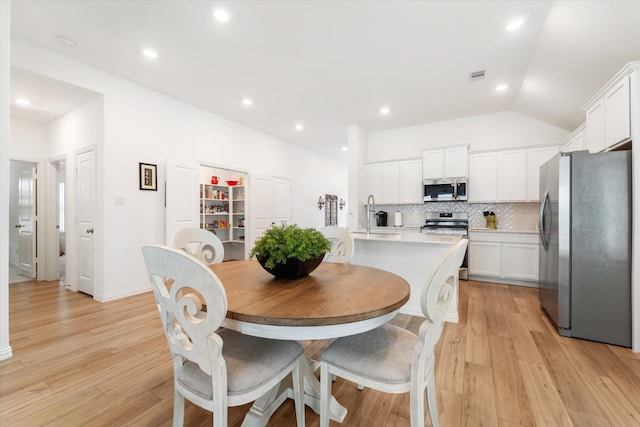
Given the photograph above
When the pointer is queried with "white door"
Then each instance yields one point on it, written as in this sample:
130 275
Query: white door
86 210
26 221
261 205
270 204
182 198
281 200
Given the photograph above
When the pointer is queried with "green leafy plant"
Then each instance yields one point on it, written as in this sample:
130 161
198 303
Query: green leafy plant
280 243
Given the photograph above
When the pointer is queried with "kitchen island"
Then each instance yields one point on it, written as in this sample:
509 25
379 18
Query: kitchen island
409 255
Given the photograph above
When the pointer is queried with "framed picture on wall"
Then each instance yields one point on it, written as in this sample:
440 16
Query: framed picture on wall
148 177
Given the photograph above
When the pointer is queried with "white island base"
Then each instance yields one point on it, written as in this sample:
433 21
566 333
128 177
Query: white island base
409 255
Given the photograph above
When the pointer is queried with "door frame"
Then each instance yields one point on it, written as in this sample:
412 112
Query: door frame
40 187
51 221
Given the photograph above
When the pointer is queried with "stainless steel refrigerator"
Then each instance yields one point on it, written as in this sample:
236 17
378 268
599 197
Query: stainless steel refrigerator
585 250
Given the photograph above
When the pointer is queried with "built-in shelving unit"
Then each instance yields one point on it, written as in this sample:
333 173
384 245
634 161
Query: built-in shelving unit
222 210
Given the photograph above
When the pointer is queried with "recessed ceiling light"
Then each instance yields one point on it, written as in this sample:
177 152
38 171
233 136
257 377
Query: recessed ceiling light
22 102
247 101
385 110
345 148
150 53
299 126
221 15
502 88
514 24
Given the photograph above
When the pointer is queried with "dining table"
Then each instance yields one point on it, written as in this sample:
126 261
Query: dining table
334 300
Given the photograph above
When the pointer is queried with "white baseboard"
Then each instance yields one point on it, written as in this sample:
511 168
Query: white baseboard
514 282
6 353
129 293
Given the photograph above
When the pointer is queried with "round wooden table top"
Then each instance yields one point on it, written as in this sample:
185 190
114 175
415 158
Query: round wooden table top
332 294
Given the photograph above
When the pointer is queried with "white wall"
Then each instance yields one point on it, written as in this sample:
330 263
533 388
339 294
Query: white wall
484 132
28 140
144 126
5 36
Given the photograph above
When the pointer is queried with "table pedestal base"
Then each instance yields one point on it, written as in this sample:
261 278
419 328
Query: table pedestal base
264 407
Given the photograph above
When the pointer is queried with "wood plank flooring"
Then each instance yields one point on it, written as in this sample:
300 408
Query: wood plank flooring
78 362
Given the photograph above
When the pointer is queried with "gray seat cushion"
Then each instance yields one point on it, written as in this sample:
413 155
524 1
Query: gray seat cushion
251 362
383 354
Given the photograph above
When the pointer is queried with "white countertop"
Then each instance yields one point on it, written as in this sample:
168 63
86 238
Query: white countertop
409 237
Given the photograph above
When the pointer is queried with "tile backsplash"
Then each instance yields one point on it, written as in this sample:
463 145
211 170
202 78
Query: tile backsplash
511 216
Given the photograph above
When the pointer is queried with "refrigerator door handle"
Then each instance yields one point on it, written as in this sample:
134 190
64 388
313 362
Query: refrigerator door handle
541 230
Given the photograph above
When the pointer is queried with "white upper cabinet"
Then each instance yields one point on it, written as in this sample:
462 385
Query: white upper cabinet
536 157
617 113
456 162
507 175
395 182
609 112
390 190
433 164
445 163
482 177
574 141
595 127
512 175
411 181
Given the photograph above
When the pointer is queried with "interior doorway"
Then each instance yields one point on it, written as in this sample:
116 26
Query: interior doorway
23 229
61 197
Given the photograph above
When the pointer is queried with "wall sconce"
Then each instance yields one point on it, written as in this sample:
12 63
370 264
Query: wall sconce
342 203
320 202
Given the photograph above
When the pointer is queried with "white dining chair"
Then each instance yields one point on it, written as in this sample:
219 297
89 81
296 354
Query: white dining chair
391 359
214 367
200 243
341 244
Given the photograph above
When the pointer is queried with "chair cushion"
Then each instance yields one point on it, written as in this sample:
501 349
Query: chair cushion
251 362
383 354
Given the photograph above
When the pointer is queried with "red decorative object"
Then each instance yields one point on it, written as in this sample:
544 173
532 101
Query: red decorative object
214 179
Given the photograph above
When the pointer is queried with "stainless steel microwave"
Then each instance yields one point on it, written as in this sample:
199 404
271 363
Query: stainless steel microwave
445 189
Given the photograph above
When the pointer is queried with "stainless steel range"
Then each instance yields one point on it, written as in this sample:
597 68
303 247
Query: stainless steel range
450 223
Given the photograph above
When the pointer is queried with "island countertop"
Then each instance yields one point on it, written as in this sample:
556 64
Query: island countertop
428 239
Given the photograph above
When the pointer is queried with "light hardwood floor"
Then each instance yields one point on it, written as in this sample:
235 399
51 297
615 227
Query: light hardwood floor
78 362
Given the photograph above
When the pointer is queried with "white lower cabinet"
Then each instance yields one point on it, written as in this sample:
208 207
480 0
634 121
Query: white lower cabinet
507 257
485 258
520 261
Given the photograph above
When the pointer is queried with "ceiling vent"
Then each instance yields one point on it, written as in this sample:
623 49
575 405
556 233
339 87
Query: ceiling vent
476 75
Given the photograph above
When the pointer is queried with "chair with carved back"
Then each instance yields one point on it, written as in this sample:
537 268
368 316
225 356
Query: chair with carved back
393 360
341 244
200 243
214 367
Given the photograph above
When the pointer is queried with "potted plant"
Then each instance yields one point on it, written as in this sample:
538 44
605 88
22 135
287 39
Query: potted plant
288 251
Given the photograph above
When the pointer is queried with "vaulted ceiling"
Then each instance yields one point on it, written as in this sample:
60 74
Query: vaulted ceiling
331 64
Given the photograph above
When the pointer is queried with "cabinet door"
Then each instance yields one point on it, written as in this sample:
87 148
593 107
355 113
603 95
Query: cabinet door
520 261
390 183
456 162
512 176
433 164
482 177
577 143
535 158
374 179
617 113
411 181
485 259
595 129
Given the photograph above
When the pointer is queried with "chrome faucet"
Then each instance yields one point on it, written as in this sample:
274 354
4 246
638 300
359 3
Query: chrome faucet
370 202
